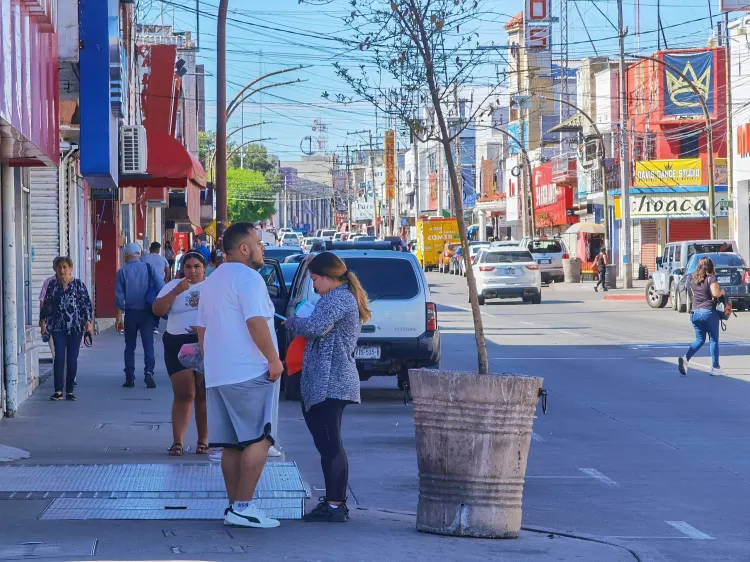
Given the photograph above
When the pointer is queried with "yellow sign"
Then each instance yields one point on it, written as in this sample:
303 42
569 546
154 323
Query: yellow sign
669 173
390 164
211 229
618 208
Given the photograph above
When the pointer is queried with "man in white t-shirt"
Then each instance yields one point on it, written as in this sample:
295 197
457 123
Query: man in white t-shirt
241 362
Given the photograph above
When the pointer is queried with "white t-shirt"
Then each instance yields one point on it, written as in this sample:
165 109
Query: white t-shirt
184 311
232 295
157 261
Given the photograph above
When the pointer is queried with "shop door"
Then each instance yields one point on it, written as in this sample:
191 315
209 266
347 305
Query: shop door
689 229
649 244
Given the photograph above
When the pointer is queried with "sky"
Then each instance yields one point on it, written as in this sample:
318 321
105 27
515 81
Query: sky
267 36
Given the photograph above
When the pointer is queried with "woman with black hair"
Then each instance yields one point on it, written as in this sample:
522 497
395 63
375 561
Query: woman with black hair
179 298
330 379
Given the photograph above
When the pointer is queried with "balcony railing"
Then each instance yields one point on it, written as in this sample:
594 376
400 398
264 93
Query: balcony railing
564 169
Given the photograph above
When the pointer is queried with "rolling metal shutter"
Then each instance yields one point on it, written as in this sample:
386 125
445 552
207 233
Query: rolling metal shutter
636 250
689 229
649 243
45 214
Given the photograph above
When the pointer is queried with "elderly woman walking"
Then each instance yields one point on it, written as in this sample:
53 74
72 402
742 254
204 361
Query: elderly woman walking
66 315
329 373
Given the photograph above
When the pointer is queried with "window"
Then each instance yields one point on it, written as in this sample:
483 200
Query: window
385 278
677 253
708 248
513 256
689 145
545 247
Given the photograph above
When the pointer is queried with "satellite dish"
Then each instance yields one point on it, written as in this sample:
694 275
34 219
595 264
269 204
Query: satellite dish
305 146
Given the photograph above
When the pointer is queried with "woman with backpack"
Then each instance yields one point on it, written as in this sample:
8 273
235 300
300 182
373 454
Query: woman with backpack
704 288
330 379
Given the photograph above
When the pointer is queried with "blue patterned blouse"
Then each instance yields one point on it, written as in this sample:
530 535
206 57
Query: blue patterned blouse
70 308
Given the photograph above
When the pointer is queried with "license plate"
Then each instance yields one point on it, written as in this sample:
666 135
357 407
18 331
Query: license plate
725 280
367 352
545 261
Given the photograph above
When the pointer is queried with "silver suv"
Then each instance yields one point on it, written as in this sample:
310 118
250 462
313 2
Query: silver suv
549 254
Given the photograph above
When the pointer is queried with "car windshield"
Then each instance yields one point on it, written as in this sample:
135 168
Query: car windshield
280 253
453 247
720 260
385 278
475 249
507 256
366 239
545 247
708 248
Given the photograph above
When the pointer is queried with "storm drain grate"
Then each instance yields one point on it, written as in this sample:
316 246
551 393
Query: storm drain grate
80 509
32 550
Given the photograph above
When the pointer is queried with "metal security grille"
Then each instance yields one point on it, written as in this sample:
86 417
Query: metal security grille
44 212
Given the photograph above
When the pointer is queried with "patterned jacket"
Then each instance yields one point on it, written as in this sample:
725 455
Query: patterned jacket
66 310
332 330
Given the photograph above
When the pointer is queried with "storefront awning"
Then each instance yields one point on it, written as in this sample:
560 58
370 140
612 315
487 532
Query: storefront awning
570 125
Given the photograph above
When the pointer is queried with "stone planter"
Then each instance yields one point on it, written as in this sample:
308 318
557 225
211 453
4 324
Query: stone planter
572 270
473 434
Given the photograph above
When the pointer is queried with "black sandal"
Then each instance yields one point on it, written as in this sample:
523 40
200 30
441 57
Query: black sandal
175 450
202 449
56 396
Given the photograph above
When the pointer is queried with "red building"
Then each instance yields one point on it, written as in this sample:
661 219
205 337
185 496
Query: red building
553 201
669 151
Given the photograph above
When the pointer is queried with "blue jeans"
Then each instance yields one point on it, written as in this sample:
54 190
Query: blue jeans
705 322
67 347
139 321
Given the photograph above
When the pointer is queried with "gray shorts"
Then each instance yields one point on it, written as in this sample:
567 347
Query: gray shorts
241 414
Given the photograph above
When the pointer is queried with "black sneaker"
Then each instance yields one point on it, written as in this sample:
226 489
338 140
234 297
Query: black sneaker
324 513
150 381
129 383
56 396
70 396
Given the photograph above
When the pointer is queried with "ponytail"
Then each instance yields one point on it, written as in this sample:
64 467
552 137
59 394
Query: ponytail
363 303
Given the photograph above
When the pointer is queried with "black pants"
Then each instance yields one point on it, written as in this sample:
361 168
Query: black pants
324 422
602 277
67 347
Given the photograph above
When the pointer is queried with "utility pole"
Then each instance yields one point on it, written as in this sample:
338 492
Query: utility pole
374 190
348 188
221 119
627 273
730 128
415 176
522 193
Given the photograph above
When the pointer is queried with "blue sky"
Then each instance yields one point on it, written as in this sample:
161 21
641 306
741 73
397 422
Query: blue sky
264 36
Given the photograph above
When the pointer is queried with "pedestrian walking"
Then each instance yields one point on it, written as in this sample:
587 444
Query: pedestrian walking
330 379
241 361
600 263
212 265
66 315
160 264
169 255
704 288
136 288
179 298
43 293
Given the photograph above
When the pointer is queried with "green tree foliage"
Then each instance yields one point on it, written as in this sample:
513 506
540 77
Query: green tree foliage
249 197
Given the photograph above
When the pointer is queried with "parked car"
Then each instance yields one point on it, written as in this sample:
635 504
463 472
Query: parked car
662 283
474 249
732 273
506 273
445 257
288 269
327 234
280 253
549 254
454 265
290 239
403 332
308 243
295 258
341 237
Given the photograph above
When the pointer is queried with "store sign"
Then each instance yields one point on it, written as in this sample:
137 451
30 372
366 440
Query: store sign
545 192
362 210
669 173
673 205
538 24
735 5
390 165
680 99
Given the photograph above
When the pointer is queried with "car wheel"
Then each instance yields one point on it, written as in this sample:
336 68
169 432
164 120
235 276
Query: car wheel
673 296
653 297
741 306
292 389
536 299
681 308
480 300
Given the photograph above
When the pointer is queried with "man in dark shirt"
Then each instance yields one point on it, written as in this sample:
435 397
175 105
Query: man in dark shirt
136 283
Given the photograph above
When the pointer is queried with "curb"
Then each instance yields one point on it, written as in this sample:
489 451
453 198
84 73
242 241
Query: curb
11 454
628 298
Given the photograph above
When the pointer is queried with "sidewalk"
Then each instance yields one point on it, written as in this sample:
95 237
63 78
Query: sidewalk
128 431
636 294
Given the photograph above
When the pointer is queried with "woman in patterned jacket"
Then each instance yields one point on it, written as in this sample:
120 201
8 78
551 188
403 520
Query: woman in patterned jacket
66 315
330 379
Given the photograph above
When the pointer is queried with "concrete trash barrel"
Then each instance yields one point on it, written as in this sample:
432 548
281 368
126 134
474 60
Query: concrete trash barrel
610 276
572 270
472 435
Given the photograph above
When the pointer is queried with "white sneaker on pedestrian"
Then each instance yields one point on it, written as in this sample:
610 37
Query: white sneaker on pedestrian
273 452
246 514
717 372
215 455
682 365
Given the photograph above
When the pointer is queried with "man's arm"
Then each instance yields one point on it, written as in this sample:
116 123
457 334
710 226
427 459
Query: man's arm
258 328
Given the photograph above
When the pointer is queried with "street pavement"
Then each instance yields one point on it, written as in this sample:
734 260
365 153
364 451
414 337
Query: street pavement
630 460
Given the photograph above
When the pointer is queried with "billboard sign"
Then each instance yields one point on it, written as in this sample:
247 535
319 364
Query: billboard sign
390 165
538 24
679 98
735 5
685 172
675 205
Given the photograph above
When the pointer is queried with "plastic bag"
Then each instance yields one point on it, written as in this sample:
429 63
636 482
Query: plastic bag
191 357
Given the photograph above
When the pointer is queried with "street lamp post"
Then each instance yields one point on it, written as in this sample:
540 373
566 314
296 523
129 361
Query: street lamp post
221 119
709 141
601 155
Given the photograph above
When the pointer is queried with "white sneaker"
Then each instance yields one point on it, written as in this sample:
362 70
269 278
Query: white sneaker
682 365
215 455
273 452
249 516
717 372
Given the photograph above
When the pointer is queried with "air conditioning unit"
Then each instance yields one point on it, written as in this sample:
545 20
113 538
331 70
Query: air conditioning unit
133 149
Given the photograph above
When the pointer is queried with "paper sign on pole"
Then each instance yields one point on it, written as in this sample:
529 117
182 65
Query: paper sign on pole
390 165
